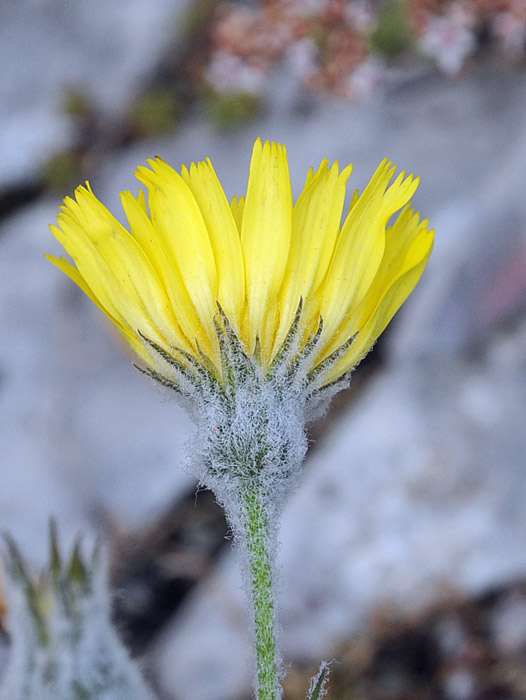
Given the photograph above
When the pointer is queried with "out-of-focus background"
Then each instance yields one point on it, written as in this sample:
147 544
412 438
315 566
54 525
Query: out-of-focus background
403 550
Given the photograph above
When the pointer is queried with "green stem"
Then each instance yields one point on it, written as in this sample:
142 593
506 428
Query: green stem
258 538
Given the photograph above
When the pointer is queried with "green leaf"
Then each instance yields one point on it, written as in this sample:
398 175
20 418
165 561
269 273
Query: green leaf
317 688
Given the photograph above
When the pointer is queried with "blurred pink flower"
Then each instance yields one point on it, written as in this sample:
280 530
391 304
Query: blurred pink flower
510 31
449 40
301 58
364 80
228 73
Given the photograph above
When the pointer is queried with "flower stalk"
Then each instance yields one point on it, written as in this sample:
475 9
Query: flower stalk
257 537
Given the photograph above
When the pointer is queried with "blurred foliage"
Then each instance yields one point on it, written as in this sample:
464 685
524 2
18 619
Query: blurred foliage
63 170
156 112
196 19
393 35
228 111
77 104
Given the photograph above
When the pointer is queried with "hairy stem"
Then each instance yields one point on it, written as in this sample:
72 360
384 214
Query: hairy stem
258 539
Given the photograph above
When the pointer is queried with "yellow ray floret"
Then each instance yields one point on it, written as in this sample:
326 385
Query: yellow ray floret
265 238
260 258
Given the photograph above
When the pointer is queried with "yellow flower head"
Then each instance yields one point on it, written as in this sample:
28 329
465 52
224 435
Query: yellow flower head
281 278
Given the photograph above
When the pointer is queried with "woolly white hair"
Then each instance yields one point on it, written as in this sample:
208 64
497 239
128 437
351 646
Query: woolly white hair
251 422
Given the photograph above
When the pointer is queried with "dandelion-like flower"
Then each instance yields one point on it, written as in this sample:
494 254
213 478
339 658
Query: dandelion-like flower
255 311
286 280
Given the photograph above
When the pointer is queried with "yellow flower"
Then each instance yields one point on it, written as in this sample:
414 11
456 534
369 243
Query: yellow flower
273 269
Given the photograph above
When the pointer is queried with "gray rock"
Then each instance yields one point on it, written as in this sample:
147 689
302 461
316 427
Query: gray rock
104 49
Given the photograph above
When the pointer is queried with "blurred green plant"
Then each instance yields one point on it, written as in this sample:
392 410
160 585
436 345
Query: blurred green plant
156 112
229 111
195 21
62 170
393 35
77 104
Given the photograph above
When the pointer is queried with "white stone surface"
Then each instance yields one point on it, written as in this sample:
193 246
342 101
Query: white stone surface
214 618
104 49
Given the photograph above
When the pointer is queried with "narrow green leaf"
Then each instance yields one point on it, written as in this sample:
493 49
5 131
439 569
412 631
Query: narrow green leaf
77 570
55 560
317 688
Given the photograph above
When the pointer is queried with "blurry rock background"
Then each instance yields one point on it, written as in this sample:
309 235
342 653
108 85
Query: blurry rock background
403 550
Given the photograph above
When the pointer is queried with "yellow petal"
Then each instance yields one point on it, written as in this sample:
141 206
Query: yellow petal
72 272
396 280
265 238
79 247
224 237
398 240
360 247
188 248
185 320
114 266
311 175
408 242
179 223
315 225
